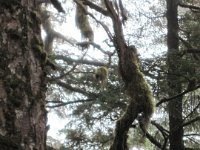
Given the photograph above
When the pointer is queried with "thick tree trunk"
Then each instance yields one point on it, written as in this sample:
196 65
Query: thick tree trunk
175 106
23 115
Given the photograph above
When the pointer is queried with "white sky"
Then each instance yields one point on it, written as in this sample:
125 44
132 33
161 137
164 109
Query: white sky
56 124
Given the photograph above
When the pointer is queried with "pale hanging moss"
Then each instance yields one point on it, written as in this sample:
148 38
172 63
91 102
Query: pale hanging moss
82 22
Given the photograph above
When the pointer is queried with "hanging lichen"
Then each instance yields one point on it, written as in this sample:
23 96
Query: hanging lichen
82 22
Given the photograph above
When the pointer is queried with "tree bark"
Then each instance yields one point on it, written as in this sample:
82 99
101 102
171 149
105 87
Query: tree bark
174 106
23 115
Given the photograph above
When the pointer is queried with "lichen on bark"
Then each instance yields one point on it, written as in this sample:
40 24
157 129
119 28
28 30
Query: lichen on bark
22 111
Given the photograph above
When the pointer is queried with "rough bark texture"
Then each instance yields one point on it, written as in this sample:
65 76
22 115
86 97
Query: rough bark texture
175 106
22 81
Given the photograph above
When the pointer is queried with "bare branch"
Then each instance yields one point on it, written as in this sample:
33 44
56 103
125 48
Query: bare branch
153 140
192 121
195 108
95 46
67 103
165 133
78 61
189 6
177 96
95 7
75 89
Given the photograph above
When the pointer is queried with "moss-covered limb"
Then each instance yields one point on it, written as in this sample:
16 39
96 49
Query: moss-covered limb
122 127
141 99
138 89
136 85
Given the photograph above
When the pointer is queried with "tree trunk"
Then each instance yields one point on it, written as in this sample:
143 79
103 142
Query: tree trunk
141 99
23 115
174 106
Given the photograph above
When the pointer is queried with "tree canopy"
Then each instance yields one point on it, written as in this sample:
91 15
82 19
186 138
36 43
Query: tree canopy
123 74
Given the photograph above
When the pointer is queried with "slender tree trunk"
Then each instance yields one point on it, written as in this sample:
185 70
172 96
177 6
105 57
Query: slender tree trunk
141 99
23 115
174 106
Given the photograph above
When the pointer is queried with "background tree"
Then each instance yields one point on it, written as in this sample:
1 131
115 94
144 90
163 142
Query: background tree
175 87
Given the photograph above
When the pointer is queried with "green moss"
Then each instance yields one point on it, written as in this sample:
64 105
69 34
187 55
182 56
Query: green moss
146 92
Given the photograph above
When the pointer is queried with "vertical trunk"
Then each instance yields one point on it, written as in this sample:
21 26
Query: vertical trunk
175 106
22 80
141 99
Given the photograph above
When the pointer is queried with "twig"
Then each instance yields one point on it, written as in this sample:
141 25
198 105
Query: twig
176 96
67 103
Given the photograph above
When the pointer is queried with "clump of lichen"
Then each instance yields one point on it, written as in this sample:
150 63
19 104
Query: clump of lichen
82 22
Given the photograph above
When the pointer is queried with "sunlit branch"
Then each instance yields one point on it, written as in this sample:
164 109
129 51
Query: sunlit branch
79 61
187 44
63 74
160 128
193 139
177 96
194 134
69 87
192 121
94 45
110 8
189 6
64 38
103 25
95 7
153 140
59 103
165 133
195 108
110 54
151 17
